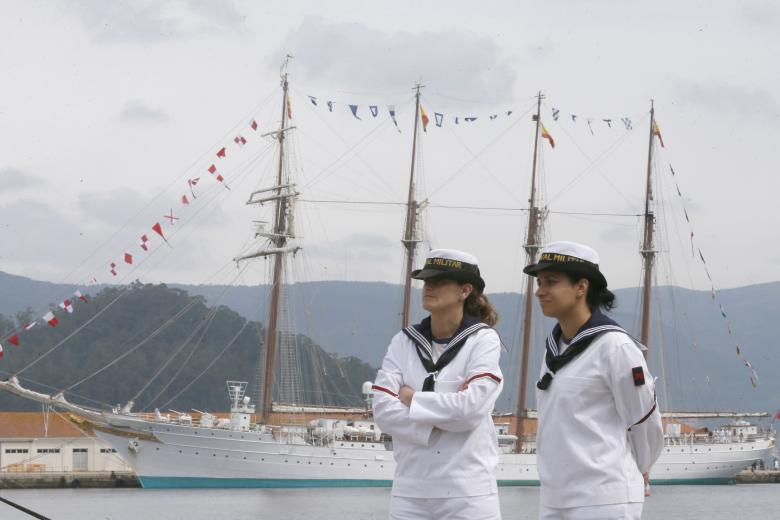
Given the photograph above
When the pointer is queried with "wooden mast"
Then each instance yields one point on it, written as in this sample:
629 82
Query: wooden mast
531 247
648 251
279 239
409 241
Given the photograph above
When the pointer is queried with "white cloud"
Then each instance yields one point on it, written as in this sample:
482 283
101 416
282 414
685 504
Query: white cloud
12 179
731 99
137 111
471 66
150 20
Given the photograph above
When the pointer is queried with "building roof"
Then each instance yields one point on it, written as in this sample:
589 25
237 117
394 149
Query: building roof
30 425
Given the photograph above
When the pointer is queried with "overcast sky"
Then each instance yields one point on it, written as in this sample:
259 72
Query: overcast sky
107 108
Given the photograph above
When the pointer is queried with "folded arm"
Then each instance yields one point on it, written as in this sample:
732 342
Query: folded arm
466 409
390 414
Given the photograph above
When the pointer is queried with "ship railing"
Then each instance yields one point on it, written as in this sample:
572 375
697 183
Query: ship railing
689 439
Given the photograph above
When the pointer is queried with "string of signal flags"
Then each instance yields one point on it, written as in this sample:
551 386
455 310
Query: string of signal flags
440 119
147 241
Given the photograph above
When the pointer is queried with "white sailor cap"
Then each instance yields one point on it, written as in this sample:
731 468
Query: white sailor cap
569 257
452 265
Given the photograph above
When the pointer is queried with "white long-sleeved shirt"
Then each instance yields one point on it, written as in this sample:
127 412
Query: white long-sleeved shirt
590 449
445 443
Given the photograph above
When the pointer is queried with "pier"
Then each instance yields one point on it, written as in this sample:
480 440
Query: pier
759 476
68 479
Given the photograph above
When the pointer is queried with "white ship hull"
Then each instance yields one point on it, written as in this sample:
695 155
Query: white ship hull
171 455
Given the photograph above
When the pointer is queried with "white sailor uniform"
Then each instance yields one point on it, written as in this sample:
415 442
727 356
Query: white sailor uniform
444 445
599 425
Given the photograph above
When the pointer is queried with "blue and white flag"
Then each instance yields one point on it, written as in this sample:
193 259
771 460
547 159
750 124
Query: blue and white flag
391 109
556 114
354 109
439 118
626 123
313 100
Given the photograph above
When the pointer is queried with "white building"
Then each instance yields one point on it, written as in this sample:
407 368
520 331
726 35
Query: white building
38 442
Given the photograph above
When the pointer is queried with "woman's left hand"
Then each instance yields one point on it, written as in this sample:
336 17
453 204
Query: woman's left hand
405 394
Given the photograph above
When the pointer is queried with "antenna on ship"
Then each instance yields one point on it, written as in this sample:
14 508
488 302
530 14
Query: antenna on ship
411 239
648 249
531 247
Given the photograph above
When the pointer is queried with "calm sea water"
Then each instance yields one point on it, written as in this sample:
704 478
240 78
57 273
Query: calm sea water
741 502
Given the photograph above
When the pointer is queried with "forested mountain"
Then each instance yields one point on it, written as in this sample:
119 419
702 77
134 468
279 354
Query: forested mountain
170 351
691 351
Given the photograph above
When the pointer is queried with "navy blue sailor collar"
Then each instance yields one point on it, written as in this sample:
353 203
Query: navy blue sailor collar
597 324
422 335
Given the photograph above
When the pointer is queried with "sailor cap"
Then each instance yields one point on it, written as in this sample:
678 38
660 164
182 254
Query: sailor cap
451 264
569 257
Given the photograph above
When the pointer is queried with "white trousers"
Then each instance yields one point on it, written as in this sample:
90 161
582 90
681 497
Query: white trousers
630 511
483 507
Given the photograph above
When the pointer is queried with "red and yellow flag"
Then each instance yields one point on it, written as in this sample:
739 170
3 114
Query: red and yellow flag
657 132
424 118
546 135
289 109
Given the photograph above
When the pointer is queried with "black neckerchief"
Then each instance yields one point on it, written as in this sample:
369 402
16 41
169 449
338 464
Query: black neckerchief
422 337
597 324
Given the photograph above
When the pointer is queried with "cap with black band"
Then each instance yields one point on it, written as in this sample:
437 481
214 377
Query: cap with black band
572 258
451 264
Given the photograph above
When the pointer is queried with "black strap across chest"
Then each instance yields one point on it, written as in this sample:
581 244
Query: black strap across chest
422 338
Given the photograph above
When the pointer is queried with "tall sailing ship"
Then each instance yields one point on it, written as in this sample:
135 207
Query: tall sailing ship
251 447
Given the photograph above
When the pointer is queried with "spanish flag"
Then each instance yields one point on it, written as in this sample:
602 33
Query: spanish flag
657 132
424 119
546 135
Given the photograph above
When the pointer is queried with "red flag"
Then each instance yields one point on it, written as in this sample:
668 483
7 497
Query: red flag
128 258
51 319
777 415
193 182
546 135
157 228
184 199
113 268
80 296
239 140
220 178
144 240
14 340
1 351
67 305
221 152
212 169
253 125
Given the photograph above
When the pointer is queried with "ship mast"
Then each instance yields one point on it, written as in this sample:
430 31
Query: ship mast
531 247
648 251
282 196
410 241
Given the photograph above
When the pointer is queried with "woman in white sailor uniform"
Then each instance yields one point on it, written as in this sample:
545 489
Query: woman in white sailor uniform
435 393
599 429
